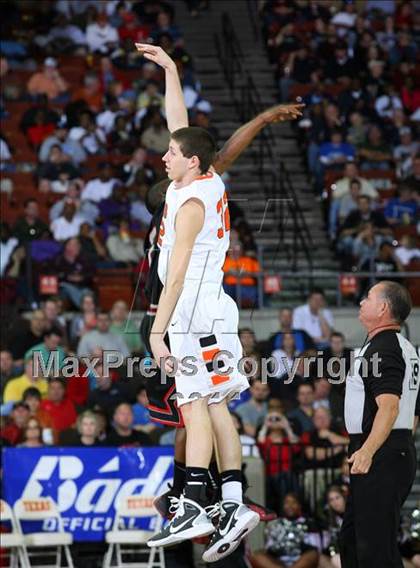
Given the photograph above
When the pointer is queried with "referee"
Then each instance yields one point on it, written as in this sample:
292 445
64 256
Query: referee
381 403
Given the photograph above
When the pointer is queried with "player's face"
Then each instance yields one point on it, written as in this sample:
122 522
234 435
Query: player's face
176 164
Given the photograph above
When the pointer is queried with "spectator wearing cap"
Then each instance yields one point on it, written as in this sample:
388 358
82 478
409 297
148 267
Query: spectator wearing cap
402 209
100 187
123 246
122 433
16 387
103 338
101 37
49 350
60 137
68 224
30 227
315 318
48 82
13 430
25 334
74 272
60 408
156 136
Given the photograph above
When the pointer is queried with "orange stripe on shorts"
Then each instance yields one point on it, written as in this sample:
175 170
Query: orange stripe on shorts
218 379
210 354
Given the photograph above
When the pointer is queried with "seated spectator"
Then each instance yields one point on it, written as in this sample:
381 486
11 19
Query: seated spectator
358 226
322 391
49 352
90 136
303 340
137 170
340 64
106 395
16 387
30 227
63 37
336 505
101 36
88 429
336 363
314 318
376 153
402 209
32 435
236 263
59 407
323 452
285 357
383 264
164 25
290 541
141 414
68 224
101 187
8 245
202 119
54 319
13 429
8 370
92 245
278 445
342 186
356 134
121 139
57 172
248 443
68 146
91 92
138 210
133 29
407 251
335 152
301 417
156 136
74 272
49 82
86 209
86 321
41 128
123 325
406 150
122 432
254 411
413 179
114 208
150 96
123 247
32 397
25 334
103 338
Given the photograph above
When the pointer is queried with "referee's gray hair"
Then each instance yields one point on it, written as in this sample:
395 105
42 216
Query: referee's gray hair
398 299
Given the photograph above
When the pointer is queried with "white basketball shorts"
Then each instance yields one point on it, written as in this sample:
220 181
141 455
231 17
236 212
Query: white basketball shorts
204 324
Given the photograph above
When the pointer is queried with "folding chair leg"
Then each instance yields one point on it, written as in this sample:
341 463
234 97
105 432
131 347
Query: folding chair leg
12 557
162 561
69 558
151 561
119 555
58 560
23 558
108 557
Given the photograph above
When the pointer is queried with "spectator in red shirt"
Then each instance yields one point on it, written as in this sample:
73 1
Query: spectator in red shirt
59 406
14 427
278 445
132 29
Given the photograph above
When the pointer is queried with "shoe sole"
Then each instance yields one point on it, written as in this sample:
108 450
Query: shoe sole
193 532
229 543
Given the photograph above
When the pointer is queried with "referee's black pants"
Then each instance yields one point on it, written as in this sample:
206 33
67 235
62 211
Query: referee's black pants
369 532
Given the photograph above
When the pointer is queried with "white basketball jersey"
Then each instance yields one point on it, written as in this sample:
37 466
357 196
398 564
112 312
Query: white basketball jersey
212 242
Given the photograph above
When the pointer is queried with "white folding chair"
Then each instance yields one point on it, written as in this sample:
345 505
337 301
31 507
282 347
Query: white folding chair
13 541
133 506
41 510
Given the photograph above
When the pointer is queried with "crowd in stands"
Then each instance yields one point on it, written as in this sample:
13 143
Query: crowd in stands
356 67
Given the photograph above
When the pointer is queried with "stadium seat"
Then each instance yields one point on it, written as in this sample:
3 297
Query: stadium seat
114 284
131 507
40 510
13 541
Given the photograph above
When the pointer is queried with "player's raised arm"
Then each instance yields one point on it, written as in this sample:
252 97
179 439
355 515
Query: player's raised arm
243 137
176 112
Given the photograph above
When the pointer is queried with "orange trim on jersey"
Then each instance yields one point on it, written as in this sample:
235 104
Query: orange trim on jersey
209 355
218 379
209 175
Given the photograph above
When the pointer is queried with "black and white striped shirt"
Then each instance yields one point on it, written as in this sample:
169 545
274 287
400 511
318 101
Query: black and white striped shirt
388 364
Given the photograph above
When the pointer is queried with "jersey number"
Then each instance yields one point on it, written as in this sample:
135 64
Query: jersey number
414 375
223 210
162 225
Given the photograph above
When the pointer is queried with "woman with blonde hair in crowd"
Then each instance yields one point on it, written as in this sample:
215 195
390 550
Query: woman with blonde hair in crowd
88 429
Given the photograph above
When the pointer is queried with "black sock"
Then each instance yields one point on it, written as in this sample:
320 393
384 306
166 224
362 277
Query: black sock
195 484
179 477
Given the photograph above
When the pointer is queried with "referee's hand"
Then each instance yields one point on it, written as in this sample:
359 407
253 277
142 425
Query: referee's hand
361 461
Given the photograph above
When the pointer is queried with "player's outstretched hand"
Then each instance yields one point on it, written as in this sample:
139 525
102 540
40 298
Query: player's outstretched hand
155 53
281 113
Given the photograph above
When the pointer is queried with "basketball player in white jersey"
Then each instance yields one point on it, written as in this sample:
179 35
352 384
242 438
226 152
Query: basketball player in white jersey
201 320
